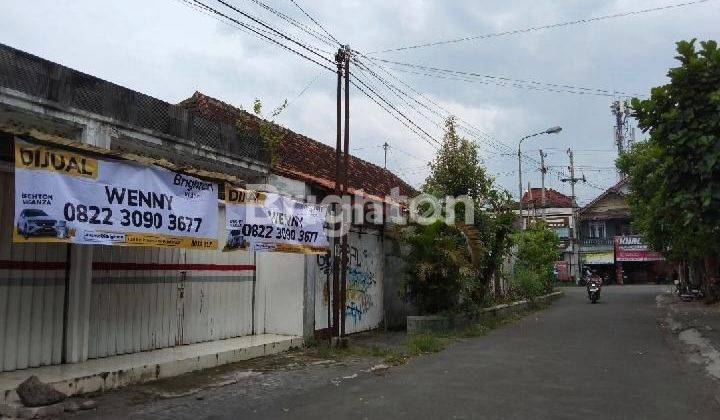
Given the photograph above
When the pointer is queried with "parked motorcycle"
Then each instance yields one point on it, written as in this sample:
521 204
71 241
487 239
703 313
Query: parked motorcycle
688 292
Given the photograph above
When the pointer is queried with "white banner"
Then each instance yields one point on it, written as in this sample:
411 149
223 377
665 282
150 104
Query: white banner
270 222
65 196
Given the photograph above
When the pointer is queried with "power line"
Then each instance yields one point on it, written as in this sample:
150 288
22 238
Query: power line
280 34
258 32
205 10
302 92
539 28
416 157
390 105
390 112
320 37
397 92
472 130
562 88
315 22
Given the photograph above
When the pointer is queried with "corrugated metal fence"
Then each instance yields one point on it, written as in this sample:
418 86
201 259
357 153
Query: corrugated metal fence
151 298
32 294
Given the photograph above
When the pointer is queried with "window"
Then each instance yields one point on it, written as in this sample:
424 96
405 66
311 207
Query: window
597 229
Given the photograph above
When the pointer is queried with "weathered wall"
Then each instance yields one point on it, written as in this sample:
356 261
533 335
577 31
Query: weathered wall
364 308
396 304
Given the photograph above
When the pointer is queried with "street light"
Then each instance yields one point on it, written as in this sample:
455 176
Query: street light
552 130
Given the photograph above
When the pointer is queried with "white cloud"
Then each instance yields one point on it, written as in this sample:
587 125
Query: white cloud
166 50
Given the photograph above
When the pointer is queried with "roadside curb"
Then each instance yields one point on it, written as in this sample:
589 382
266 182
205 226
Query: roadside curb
420 323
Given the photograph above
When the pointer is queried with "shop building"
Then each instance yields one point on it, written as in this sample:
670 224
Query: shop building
610 247
151 310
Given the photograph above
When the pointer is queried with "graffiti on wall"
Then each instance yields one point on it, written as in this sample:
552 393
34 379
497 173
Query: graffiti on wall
361 281
359 293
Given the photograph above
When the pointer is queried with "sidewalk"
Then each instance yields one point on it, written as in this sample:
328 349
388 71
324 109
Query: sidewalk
136 368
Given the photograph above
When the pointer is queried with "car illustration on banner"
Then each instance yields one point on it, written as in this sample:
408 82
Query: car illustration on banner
236 240
35 222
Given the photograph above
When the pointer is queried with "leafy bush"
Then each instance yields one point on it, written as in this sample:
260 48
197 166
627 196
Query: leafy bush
528 284
438 264
537 250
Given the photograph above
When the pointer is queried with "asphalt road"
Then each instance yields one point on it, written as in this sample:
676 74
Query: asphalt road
573 360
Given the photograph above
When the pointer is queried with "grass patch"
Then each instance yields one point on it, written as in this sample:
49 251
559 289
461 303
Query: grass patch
329 352
475 330
421 343
426 342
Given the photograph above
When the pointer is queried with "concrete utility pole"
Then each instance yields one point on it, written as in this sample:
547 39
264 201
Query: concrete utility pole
543 171
346 181
575 261
385 146
335 328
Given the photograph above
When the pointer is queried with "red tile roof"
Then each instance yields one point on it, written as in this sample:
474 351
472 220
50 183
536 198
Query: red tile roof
553 198
303 158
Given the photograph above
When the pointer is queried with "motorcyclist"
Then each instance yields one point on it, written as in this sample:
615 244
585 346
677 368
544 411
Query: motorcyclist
593 278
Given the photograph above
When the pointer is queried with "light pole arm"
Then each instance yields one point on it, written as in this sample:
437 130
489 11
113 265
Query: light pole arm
552 130
520 188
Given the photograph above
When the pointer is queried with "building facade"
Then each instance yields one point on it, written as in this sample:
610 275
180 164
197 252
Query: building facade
610 247
557 212
66 303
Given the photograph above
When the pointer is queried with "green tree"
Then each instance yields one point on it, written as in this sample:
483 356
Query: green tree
675 175
457 169
460 260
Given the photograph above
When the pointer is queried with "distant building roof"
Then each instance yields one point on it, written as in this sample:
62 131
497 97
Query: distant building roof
611 204
303 158
553 199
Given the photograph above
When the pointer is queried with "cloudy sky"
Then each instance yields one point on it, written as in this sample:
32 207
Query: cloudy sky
168 50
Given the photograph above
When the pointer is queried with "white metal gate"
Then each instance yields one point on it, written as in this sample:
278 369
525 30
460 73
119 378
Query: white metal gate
151 298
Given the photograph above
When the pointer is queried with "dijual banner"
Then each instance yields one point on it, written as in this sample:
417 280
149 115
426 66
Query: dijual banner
261 221
65 196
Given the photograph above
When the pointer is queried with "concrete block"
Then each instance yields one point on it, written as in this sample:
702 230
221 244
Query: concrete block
418 323
20 411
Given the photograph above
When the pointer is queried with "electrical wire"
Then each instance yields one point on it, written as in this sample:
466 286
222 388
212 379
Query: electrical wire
507 81
320 37
315 22
270 28
363 91
543 27
473 131
302 92
260 33
397 92
401 94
